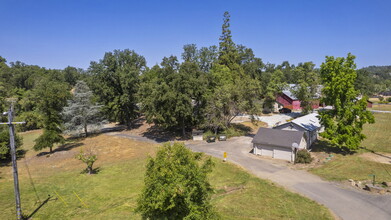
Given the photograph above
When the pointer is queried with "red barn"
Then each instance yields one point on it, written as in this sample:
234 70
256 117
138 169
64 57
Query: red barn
290 101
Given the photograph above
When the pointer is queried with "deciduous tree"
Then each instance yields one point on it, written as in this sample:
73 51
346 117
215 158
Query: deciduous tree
344 123
176 185
115 81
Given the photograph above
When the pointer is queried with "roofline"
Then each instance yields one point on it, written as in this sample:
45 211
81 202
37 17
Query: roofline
274 145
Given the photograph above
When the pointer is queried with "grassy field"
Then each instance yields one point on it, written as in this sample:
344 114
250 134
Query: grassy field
358 168
112 193
381 107
353 167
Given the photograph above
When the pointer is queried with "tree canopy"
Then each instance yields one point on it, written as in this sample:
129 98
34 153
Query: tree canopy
115 81
176 185
344 123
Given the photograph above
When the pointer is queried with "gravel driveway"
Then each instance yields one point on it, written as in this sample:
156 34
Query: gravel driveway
344 202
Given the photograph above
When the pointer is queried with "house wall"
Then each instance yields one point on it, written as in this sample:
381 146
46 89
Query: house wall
296 105
282 153
284 99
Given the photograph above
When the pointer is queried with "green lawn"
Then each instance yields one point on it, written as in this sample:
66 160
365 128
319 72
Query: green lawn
357 168
353 167
378 134
112 193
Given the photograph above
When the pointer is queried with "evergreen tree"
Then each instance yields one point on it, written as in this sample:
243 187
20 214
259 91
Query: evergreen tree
81 112
344 123
53 96
5 143
176 185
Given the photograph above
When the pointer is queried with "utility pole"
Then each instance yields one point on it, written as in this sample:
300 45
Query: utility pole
13 156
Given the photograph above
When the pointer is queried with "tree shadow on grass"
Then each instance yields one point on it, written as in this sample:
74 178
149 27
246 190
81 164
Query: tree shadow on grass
64 147
240 130
39 207
94 171
160 134
377 153
20 153
323 145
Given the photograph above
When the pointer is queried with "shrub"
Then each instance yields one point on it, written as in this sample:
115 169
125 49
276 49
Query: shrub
303 156
389 99
88 158
176 185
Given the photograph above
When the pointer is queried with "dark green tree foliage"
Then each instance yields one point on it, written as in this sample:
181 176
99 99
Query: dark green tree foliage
5 142
176 185
307 85
71 75
274 85
81 112
53 97
344 123
115 81
379 78
232 91
172 95
365 83
228 54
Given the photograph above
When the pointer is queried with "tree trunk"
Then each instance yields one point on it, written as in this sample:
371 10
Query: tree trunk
51 149
183 128
85 129
89 169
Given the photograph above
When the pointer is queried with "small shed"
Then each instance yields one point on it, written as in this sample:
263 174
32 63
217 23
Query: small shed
369 104
197 135
310 124
279 144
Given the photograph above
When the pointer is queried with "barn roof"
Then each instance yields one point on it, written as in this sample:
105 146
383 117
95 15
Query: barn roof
275 137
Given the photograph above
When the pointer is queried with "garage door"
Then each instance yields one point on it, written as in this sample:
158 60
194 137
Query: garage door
265 151
282 153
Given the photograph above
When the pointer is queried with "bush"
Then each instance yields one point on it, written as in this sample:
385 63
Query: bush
33 121
303 156
5 143
88 158
176 185
389 99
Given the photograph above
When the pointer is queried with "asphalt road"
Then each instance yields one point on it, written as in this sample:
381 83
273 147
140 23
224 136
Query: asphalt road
344 202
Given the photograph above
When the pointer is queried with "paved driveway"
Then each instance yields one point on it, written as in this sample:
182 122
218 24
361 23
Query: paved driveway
345 202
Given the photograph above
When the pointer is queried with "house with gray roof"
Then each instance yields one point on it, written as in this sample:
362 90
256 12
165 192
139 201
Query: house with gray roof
279 144
310 124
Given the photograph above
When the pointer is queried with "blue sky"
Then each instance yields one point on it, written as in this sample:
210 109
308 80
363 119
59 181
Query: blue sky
58 33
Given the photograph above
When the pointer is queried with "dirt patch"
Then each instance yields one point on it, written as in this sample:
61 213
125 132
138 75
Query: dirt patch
318 159
377 157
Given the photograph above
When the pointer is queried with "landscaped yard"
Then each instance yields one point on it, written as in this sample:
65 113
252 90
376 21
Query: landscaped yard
112 193
357 167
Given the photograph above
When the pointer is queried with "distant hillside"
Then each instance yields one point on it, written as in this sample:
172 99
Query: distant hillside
382 72
373 80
